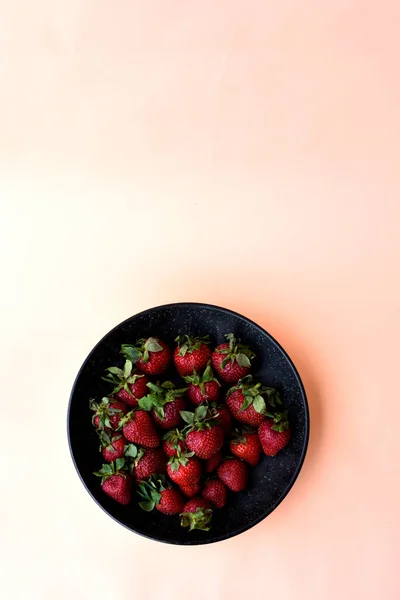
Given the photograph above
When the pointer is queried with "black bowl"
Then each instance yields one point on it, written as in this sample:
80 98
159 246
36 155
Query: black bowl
269 482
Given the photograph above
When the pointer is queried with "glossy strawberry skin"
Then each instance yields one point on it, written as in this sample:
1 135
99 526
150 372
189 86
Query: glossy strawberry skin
140 429
138 390
118 487
172 414
249 415
196 396
192 361
153 462
118 444
234 474
215 492
205 442
232 371
191 490
195 503
170 451
186 474
171 502
158 361
249 449
272 441
212 463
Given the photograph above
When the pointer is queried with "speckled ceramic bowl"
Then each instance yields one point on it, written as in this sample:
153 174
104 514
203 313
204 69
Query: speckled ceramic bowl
269 482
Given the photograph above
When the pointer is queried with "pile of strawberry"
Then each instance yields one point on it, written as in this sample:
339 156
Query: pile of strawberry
183 462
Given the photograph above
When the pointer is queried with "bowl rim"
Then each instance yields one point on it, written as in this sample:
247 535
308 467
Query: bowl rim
250 524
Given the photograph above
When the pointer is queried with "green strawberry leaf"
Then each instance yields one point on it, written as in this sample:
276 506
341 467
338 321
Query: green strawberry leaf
223 350
155 496
225 362
187 416
231 339
153 387
183 350
173 394
130 352
105 471
168 385
159 410
134 378
105 438
208 374
115 371
131 450
127 368
147 506
246 403
200 413
147 402
152 345
259 404
254 391
119 463
242 360
185 520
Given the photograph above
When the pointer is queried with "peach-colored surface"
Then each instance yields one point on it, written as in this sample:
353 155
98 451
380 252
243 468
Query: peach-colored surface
241 153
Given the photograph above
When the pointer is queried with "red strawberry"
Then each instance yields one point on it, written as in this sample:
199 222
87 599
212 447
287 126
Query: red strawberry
215 492
152 356
107 414
248 402
213 462
197 514
191 490
203 388
156 493
211 392
224 418
129 384
274 433
184 470
233 473
172 413
115 481
165 402
231 360
112 447
174 443
205 442
171 502
138 427
247 446
205 436
150 461
195 503
192 354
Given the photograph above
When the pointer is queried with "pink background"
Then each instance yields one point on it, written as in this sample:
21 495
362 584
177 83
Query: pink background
240 153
